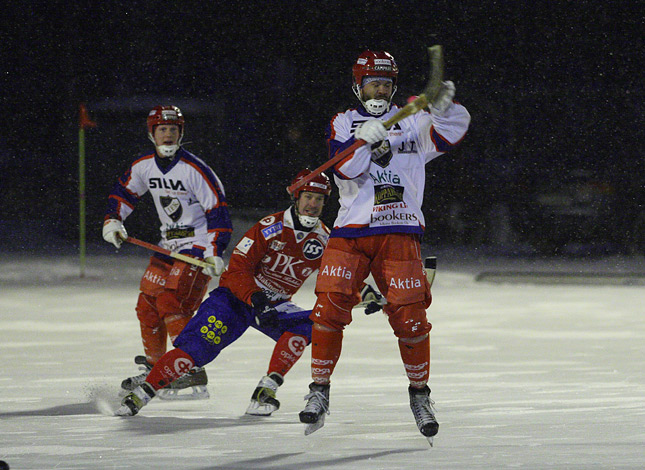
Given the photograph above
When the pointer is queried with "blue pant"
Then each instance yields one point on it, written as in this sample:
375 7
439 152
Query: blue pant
222 318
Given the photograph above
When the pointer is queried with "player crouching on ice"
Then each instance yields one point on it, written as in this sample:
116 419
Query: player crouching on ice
266 269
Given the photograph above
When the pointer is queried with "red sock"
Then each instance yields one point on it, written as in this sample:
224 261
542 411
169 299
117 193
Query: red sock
286 353
325 351
169 368
416 360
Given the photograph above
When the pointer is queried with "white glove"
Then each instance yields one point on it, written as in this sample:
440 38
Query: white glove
114 232
371 131
218 266
444 98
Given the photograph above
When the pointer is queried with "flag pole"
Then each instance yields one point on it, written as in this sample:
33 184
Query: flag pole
81 196
84 121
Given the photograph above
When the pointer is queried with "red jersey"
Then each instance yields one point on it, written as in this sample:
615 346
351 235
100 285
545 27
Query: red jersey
274 257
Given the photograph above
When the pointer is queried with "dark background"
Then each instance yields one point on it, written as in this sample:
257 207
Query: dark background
555 90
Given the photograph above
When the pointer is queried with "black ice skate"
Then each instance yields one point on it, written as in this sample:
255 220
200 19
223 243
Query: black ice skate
263 400
421 406
131 383
135 400
317 407
190 386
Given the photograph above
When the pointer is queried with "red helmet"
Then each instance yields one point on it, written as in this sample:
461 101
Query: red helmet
374 64
165 115
318 184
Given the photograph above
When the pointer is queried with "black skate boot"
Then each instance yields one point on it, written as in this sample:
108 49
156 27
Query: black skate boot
317 406
263 400
131 383
190 386
421 405
135 400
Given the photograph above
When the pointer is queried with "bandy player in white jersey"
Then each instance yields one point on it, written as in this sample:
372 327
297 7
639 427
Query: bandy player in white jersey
191 206
378 228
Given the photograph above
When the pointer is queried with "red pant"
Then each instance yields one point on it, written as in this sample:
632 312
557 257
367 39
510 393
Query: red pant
170 294
396 266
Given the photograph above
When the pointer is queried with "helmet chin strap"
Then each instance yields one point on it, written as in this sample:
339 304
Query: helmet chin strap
373 106
307 221
376 107
167 150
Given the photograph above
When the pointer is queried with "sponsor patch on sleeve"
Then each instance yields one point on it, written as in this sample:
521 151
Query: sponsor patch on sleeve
272 230
245 244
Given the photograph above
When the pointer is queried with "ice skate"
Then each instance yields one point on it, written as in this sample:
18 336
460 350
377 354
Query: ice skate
317 407
131 383
421 405
135 400
263 400
190 386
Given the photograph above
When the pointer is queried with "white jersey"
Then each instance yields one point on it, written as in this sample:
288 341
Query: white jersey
384 195
188 196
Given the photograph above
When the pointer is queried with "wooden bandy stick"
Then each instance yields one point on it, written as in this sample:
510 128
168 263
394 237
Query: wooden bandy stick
172 254
430 265
427 97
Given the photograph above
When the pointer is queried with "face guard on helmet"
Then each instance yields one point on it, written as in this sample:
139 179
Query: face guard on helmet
319 184
374 64
168 115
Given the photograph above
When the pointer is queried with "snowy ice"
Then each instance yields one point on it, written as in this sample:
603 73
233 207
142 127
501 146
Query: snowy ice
524 375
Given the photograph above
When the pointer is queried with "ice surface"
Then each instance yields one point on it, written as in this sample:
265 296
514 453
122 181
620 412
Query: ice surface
524 376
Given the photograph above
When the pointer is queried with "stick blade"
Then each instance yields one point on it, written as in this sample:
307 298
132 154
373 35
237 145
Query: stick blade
430 265
436 75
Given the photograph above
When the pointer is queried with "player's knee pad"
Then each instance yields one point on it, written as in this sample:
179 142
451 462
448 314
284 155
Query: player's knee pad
333 309
147 311
408 321
169 305
211 330
219 321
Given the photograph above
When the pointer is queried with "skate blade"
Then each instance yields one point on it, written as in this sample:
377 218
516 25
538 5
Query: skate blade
313 427
257 409
430 441
196 392
123 411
